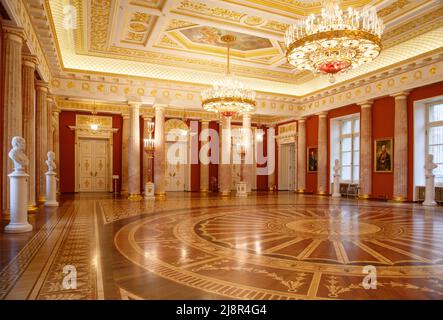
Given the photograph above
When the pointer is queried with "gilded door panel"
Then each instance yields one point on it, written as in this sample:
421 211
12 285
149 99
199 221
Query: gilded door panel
175 170
93 165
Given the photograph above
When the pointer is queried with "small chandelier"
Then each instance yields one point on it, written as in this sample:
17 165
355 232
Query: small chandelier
334 40
228 96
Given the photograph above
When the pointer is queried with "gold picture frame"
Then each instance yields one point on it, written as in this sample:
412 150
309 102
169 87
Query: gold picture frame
383 163
312 162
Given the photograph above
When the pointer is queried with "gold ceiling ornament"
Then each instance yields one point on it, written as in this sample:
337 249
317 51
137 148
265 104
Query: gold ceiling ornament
334 40
228 96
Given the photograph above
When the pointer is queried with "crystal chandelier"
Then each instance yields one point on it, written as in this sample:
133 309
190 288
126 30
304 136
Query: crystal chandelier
334 40
229 95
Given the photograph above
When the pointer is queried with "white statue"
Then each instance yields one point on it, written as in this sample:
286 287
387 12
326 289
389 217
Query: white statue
336 187
50 162
17 153
430 185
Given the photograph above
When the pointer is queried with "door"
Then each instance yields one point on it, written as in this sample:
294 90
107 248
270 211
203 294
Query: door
93 165
286 167
175 167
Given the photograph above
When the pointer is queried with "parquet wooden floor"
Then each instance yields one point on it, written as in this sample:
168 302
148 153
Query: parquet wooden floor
195 246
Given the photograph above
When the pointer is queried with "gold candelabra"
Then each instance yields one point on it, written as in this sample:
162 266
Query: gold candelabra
149 146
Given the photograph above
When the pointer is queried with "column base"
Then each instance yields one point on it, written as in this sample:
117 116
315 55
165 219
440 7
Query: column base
241 190
322 193
32 208
225 193
149 191
204 190
160 195
429 203
41 200
51 203
300 191
399 199
18 228
364 197
135 197
336 195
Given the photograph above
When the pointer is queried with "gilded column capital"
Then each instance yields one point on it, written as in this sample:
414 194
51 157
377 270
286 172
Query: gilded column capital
366 103
41 86
125 116
147 117
159 107
135 104
301 120
400 95
322 114
30 60
13 33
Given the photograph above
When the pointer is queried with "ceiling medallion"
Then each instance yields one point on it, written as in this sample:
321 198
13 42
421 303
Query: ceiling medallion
228 96
334 41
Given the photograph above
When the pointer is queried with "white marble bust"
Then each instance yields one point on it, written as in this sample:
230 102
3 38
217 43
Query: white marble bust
17 153
336 167
50 162
430 165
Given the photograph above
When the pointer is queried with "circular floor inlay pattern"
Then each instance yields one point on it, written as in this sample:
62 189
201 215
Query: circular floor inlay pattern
288 251
332 227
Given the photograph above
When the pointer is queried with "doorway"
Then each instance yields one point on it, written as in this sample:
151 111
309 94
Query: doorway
93 164
286 166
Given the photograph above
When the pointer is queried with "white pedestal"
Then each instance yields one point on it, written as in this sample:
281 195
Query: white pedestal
51 190
18 181
241 189
336 187
149 191
430 192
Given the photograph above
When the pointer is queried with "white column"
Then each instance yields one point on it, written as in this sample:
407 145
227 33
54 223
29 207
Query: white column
400 159
225 175
56 141
12 99
365 179
322 187
301 156
204 167
134 151
159 152
125 153
28 77
49 108
42 139
249 156
271 175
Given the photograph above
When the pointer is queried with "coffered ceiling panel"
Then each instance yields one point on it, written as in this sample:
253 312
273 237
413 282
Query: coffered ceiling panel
180 39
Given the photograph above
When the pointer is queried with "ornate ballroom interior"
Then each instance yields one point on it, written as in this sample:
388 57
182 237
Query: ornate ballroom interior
221 149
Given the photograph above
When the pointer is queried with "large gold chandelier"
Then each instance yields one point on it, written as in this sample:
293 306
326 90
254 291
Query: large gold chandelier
334 40
229 95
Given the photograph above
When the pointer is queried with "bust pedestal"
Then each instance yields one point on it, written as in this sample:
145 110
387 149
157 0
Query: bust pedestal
149 191
336 187
241 189
18 203
430 191
51 190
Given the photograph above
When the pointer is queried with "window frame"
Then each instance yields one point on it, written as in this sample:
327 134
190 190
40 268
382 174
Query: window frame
428 126
353 134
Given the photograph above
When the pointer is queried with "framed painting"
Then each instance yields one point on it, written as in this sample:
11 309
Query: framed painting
312 161
383 155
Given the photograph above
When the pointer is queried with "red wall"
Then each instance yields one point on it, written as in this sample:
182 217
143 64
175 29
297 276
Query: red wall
195 167
262 180
67 148
213 167
311 141
383 115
